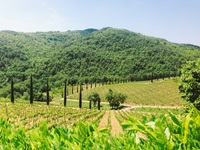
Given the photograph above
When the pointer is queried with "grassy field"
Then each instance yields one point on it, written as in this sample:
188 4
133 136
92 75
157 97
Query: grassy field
160 92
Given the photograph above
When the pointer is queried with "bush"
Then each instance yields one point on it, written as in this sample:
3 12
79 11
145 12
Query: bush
115 99
190 82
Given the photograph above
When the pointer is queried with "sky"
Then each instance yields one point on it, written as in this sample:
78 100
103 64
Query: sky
174 20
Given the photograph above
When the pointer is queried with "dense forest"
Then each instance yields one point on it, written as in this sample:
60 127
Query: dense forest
89 55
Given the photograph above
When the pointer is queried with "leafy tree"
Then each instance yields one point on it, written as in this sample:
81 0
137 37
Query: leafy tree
115 99
94 97
190 82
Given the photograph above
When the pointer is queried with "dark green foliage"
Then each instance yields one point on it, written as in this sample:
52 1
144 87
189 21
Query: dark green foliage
101 56
115 99
12 91
190 82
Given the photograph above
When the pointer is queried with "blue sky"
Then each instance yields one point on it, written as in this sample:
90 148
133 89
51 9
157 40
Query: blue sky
175 20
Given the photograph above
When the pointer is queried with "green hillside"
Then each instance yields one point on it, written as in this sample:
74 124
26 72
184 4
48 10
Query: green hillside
88 56
161 92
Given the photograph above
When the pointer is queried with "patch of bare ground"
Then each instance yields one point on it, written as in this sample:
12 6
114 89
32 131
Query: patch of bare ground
116 128
104 121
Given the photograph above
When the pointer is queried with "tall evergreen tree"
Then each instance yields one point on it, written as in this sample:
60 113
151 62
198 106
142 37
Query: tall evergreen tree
31 90
65 94
72 89
80 97
152 77
99 104
12 91
47 92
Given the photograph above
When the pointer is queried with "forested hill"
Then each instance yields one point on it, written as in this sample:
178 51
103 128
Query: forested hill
106 53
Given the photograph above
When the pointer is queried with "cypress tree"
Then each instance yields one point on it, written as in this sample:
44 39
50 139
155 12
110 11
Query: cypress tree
152 77
12 91
99 104
65 94
72 89
80 97
31 90
47 92
91 85
90 104
77 89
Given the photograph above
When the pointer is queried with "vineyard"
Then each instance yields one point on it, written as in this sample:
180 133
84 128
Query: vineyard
41 126
27 126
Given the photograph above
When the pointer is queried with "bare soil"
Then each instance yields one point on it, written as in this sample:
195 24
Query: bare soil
104 121
116 128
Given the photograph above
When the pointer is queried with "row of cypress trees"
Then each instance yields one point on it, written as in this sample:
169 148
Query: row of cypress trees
47 94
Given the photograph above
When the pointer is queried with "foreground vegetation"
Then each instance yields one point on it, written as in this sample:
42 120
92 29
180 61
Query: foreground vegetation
55 127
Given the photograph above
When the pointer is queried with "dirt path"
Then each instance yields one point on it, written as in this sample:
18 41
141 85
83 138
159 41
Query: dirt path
128 106
116 128
104 121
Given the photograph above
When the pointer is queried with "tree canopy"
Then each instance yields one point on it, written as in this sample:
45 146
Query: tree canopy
115 98
86 56
94 97
190 82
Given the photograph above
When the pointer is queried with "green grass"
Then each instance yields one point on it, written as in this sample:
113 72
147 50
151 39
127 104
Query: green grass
160 92
157 110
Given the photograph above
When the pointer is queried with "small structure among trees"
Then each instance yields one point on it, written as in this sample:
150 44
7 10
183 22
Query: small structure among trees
115 99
